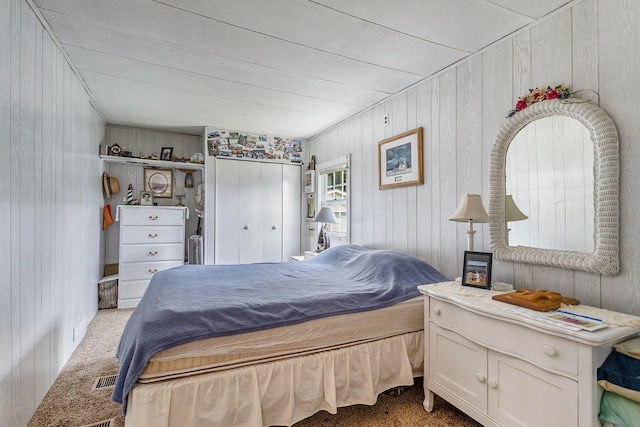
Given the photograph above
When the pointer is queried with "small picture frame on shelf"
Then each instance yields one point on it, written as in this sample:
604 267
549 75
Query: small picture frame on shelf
146 198
166 153
310 181
476 269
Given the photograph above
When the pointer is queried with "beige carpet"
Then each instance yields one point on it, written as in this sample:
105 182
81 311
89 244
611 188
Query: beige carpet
72 401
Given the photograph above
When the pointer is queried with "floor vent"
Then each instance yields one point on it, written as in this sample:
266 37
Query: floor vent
105 382
105 423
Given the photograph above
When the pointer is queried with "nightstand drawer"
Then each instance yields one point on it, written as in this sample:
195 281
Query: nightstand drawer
144 270
152 252
516 340
150 235
151 216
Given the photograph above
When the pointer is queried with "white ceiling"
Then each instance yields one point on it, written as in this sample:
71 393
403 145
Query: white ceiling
282 67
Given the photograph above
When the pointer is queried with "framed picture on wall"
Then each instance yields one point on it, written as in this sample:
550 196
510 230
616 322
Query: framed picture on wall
159 182
400 160
476 269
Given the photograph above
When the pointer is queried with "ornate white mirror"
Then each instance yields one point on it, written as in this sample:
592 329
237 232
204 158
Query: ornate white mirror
557 164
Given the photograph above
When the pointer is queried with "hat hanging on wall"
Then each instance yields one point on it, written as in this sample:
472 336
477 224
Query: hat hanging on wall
111 185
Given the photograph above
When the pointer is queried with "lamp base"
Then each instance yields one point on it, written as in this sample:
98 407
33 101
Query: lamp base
323 239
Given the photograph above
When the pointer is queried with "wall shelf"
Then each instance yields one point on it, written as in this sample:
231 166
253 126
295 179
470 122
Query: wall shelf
152 163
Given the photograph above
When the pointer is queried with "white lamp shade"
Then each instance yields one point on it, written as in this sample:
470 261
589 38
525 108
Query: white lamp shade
512 212
470 208
326 215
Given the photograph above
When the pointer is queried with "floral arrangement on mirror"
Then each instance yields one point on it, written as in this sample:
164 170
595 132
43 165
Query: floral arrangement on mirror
536 95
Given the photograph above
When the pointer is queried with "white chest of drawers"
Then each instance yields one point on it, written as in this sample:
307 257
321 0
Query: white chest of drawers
151 240
506 370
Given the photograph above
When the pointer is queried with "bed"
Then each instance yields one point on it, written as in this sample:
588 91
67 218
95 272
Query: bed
273 343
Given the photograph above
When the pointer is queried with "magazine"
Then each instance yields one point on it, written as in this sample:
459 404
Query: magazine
561 318
579 320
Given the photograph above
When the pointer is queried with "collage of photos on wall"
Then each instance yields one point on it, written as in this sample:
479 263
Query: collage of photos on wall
238 144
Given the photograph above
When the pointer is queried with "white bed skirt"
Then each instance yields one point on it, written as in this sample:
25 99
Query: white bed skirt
280 392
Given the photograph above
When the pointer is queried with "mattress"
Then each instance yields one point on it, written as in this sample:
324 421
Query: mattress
219 353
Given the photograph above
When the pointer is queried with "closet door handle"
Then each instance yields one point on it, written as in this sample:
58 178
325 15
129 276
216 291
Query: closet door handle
492 383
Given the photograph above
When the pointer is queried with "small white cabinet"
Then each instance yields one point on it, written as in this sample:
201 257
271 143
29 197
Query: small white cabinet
506 370
151 240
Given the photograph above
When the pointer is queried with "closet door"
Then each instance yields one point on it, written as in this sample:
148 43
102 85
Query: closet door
291 210
238 200
270 215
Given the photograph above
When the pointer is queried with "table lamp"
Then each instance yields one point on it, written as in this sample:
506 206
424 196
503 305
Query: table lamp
469 210
325 216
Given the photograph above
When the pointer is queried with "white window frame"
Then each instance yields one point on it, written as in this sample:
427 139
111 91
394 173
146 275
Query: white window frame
330 166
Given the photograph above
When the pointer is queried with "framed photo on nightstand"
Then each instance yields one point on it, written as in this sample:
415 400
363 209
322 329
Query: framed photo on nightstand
476 269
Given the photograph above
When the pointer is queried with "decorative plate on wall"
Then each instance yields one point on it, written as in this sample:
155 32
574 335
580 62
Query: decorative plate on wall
159 182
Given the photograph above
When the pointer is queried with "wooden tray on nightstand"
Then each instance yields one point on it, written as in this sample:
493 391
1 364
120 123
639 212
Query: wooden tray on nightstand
539 299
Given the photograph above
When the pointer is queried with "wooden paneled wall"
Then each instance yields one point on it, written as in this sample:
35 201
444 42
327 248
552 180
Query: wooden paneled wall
594 45
50 211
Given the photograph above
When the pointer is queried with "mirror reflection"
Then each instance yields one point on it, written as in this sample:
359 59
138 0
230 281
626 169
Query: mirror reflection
550 178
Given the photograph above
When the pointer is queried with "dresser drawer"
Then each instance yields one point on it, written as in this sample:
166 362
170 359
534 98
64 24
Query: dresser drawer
151 252
151 216
128 289
150 235
144 270
517 340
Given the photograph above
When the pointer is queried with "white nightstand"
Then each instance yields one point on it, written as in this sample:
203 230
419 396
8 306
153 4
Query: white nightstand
296 258
500 368
310 254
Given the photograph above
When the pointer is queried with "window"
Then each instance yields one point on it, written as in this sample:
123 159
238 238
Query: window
334 193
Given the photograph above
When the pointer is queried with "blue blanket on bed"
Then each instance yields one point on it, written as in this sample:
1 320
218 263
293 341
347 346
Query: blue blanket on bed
194 302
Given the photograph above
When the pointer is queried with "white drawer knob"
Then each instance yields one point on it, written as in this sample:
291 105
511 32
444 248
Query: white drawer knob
246 227
153 217
274 227
480 377
548 350
150 271
436 310
153 236
492 383
153 253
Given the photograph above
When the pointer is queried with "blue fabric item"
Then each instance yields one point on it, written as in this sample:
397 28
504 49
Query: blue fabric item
194 302
621 370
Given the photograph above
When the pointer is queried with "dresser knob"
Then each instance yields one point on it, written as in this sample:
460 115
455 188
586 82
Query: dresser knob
436 310
548 350
150 271
246 227
274 227
153 236
153 217
153 253
492 383
480 377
